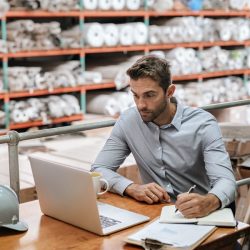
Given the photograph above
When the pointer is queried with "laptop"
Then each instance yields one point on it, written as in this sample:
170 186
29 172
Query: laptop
67 193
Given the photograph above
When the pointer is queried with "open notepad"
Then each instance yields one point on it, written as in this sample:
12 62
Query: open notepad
222 217
171 236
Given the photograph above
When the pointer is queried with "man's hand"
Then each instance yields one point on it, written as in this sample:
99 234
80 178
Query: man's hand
196 205
150 193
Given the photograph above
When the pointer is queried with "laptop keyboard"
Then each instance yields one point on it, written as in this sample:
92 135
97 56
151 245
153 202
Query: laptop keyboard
108 222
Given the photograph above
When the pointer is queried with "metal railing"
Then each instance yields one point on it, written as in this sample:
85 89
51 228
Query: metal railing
13 138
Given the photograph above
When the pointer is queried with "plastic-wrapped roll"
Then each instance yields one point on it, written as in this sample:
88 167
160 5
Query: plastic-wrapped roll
159 53
91 76
4 7
224 29
3 46
124 100
90 4
140 33
104 4
190 54
133 4
93 34
178 54
126 34
237 4
162 5
165 34
21 25
118 4
242 32
176 35
19 116
73 103
102 104
111 34
154 34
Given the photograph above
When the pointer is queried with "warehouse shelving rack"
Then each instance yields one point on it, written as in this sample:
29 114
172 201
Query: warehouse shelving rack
83 51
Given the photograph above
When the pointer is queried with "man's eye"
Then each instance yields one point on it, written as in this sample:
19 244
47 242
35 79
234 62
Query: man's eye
149 95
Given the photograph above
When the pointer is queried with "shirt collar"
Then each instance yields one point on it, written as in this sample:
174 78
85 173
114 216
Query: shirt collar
176 122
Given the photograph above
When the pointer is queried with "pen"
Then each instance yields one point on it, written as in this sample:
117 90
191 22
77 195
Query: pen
189 191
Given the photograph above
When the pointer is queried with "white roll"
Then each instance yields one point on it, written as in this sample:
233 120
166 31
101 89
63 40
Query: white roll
124 100
93 34
4 7
140 32
133 4
165 34
126 34
104 4
118 4
154 34
90 4
237 4
102 104
158 53
162 5
111 34
92 76
178 54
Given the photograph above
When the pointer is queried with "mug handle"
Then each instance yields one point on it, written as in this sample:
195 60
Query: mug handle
107 186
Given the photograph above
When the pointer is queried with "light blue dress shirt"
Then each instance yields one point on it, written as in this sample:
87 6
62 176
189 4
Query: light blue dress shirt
188 151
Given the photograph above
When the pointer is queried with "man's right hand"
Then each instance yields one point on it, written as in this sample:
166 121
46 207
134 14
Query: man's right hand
150 193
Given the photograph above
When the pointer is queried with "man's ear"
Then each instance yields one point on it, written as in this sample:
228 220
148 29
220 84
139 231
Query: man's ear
170 91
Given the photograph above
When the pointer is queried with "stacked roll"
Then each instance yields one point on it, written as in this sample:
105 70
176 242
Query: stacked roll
54 6
43 108
4 7
28 35
109 103
212 91
109 34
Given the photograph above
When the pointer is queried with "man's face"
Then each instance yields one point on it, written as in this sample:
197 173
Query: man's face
150 98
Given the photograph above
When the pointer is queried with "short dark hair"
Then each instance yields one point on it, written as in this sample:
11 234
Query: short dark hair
153 67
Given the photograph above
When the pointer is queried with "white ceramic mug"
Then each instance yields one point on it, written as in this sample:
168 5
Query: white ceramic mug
97 182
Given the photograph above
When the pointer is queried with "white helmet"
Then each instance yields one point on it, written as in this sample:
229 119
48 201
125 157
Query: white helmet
9 210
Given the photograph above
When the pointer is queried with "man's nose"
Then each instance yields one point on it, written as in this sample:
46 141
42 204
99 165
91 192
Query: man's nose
141 104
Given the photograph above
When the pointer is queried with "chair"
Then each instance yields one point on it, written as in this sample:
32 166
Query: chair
243 204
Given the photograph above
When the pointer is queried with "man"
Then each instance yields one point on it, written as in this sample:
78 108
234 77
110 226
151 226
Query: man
174 146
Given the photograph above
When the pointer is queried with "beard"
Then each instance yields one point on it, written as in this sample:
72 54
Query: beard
148 115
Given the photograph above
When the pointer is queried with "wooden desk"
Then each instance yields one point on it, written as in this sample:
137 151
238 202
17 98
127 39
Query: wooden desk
47 233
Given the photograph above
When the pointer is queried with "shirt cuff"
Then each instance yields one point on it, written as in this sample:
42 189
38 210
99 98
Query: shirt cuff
224 200
120 186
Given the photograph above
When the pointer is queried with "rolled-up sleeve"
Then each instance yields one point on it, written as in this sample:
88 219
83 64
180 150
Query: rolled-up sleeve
112 155
218 164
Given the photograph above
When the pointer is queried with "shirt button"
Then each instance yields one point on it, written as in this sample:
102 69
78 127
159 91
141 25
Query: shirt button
162 168
159 148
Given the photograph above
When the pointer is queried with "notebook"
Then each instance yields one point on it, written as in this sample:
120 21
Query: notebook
222 217
170 236
67 193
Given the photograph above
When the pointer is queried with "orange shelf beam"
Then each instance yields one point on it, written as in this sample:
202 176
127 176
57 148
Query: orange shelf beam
35 53
2 95
145 47
99 86
44 92
40 13
72 118
113 13
124 13
115 49
210 13
211 74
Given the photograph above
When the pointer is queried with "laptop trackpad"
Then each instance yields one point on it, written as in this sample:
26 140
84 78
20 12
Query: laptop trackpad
122 218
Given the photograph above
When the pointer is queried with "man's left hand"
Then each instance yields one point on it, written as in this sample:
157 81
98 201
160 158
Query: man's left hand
196 205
